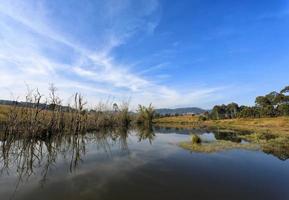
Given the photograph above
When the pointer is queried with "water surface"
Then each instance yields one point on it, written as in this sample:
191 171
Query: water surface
137 164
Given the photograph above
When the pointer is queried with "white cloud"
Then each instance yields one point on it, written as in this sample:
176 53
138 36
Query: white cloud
30 47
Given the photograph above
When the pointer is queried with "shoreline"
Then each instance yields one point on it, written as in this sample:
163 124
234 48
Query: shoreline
277 125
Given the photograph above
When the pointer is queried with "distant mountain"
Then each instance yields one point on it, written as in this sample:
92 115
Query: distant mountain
191 110
22 103
27 104
7 102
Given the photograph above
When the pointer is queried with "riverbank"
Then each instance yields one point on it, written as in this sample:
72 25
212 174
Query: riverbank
277 125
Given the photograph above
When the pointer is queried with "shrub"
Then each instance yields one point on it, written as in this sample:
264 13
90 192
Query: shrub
196 139
202 118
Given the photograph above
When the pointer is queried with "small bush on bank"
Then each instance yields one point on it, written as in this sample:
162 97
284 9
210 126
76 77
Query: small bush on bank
196 139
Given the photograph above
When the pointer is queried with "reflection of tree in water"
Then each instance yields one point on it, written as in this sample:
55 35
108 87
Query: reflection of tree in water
229 136
145 133
23 157
28 157
121 135
107 138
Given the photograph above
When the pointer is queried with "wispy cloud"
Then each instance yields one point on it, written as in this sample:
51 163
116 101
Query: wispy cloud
154 68
34 49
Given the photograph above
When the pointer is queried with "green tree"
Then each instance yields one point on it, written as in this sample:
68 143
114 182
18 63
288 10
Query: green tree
218 112
262 101
232 110
267 111
283 109
246 112
285 90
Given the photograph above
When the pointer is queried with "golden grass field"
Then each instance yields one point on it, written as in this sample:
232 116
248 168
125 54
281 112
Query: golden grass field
3 111
277 125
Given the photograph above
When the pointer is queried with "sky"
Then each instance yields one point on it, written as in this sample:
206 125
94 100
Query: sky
168 53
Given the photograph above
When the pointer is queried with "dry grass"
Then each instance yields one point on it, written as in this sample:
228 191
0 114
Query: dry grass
29 121
220 145
42 117
278 145
34 120
3 111
269 143
278 125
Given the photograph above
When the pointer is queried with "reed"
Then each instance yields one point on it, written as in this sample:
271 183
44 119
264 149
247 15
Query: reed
145 115
44 117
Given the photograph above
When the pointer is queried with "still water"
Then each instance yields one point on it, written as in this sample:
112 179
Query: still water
137 164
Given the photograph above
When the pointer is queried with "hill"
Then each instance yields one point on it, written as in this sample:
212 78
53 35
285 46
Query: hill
190 110
27 104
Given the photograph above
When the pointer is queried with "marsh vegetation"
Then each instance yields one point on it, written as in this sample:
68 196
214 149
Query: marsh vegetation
216 146
277 145
40 117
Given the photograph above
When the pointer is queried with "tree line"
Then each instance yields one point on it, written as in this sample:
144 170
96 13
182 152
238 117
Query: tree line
273 104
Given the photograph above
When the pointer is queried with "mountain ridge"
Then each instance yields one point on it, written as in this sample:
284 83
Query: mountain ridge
184 110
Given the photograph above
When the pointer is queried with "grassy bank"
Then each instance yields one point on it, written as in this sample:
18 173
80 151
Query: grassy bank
277 145
277 125
217 146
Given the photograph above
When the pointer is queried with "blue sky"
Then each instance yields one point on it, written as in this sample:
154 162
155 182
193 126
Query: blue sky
170 53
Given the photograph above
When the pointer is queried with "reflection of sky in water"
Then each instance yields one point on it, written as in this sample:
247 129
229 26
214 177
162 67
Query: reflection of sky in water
208 137
154 170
